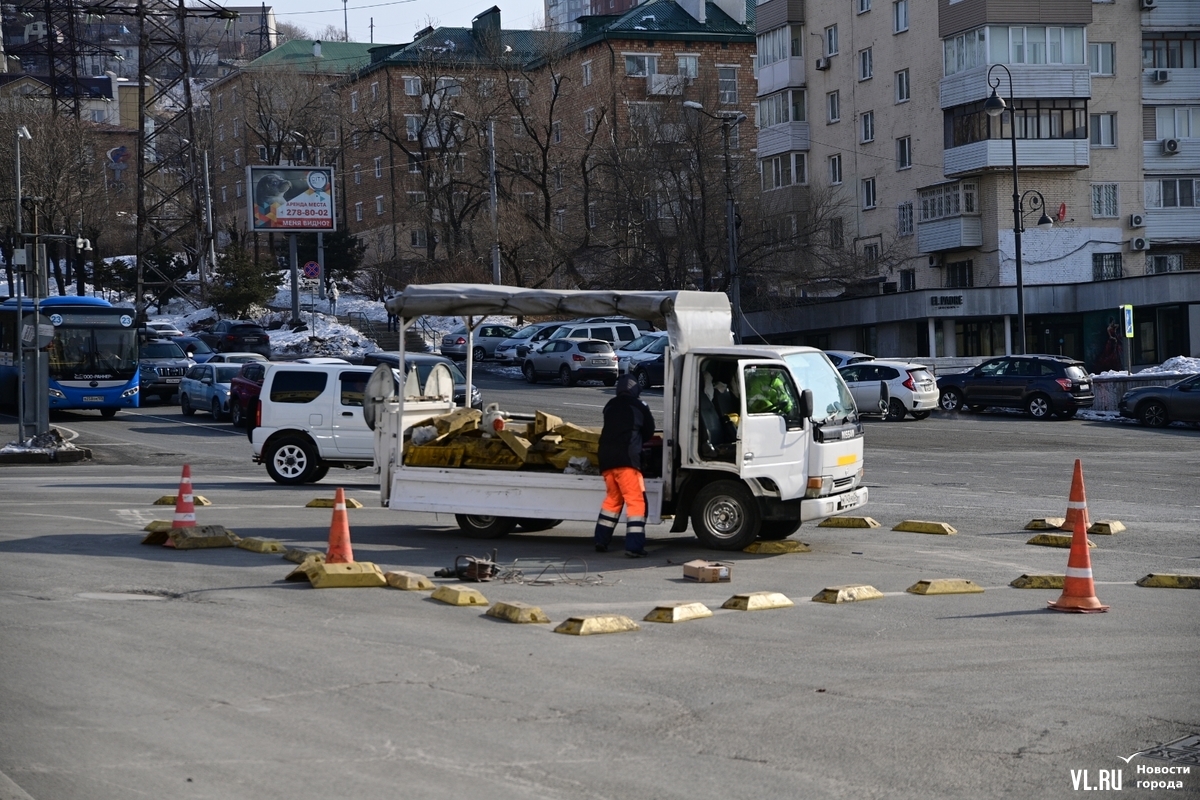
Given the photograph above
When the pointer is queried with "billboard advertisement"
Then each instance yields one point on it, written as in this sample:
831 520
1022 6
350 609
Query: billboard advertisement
294 199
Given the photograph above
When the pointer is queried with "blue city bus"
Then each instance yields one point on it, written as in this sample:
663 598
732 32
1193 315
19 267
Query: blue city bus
93 356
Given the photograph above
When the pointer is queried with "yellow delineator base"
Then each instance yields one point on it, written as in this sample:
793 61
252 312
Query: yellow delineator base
847 594
922 526
777 547
678 612
757 601
409 581
327 502
1046 524
1105 527
848 522
357 575
300 573
945 586
514 611
588 626
159 526
1055 540
202 536
1161 581
257 544
298 555
459 596
169 500
1039 582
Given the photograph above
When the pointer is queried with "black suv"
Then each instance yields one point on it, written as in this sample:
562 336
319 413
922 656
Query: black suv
237 336
1042 385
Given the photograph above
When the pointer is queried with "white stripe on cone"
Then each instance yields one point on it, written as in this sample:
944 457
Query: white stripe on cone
1076 572
185 517
339 506
1077 504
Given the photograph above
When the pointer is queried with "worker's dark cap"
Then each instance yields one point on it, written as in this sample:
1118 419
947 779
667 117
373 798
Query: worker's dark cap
627 384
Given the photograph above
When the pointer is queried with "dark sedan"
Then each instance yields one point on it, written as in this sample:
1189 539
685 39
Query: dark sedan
232 335
1042 385
1158 406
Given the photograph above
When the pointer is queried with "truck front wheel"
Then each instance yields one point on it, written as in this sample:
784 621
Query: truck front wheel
479 527
725 515
779 529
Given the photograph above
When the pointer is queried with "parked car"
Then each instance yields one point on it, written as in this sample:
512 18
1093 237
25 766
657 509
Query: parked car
641 324
424 363
649 364
236 358
244 389
626 351
195 348
1043 385
161 366
613 332
234 335
206 387
514 349
572 360
161 329
841 358
1157 406
486 339
912 388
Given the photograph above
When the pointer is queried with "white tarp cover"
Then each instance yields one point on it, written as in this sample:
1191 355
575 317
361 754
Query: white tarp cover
693 319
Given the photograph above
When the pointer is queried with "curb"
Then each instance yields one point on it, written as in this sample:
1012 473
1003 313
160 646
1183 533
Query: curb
56 457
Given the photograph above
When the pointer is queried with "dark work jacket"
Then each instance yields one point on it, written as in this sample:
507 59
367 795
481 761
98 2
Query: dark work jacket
627 424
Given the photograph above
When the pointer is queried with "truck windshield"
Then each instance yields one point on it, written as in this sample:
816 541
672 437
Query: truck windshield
831 399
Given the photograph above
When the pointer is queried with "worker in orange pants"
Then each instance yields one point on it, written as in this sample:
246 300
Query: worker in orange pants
628 423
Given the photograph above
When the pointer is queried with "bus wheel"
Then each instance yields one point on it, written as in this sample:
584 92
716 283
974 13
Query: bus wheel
108 413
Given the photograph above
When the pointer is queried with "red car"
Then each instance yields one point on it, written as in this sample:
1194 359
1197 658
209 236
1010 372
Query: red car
243 393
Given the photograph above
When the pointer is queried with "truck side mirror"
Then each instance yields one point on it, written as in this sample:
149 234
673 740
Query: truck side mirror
806 404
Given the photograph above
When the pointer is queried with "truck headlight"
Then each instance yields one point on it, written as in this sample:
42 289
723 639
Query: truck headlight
819 486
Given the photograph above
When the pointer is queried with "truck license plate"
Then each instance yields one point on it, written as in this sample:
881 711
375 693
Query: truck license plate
93 399
847 502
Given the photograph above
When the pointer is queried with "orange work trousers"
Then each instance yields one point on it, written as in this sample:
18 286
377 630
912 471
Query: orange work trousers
626 487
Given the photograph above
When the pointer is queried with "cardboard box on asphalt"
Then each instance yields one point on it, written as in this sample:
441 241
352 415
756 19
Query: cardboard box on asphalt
707 571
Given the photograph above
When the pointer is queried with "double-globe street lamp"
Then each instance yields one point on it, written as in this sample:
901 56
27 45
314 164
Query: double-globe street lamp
729 120
994 106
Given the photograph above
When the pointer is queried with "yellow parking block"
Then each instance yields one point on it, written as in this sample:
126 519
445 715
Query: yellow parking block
1163 581
764 547
757 601
169 500
298 555
1039 582
945 586
1055 540
850 593
459 596
1046 524
588 626
848 522
357 575
923 526
327 502
202 536
678 612
159 526
1105 527
408 581
257 544
513 611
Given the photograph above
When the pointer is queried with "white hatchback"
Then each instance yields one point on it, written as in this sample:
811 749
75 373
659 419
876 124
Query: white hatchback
912 388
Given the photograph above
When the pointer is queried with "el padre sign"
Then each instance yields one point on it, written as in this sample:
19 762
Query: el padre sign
293 199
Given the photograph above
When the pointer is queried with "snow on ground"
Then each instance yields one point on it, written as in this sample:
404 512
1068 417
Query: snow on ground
1177 365
325 336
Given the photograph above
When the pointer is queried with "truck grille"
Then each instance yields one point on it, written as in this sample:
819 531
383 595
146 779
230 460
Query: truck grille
169 372
842 483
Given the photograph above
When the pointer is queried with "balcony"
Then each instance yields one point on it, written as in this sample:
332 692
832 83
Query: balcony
1181 86
666 84
1165 226
788 73
1029 81
994 154
786 138
1186 159
949 233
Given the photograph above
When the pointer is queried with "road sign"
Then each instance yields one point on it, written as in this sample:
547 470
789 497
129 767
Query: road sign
312 270
1128 313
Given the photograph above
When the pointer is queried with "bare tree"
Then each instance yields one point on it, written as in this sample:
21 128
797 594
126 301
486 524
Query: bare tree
287 32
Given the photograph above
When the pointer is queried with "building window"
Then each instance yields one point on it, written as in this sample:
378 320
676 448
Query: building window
948 200
237 158
412 86
560 220
960 274
904 219
556 132
238 189
224 196
379 205
640 66
375 90
358 214
836 240
866 64
587 73
831 41
415 200
864 6
868 194
353 102
868 126
835 169
776 172
903 93
417 238
998 44
357 174
1172 193
800 168
727 88
900 16
834 107
220 133
220 102
1106 266
591 215
1177 122
1104 130
262 152
780 43
1101 57
237 127
378 166
412 127
1170 262
414 164
1036 119
221 164
904 152
589 120
1170 51
1104 200
908 280
687 66
557 172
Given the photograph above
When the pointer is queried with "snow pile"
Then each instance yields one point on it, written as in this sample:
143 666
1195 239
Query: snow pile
48 443
328 338
1179 365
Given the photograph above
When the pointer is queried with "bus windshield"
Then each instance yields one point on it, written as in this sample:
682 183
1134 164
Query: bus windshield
832 401
93 353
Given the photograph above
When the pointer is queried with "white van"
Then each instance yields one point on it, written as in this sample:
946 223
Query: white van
309 417
615 333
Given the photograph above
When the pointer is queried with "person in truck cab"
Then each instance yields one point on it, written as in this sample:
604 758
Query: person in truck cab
628 424
767 392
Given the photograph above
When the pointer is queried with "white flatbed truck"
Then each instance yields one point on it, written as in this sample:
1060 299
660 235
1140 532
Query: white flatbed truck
736 470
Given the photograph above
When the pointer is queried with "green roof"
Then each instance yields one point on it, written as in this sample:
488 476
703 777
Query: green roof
337 58
658 17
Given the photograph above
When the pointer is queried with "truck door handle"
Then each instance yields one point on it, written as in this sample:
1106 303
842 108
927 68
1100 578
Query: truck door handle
748 457
347 413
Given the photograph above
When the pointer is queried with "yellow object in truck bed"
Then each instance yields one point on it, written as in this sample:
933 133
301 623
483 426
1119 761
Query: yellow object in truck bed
433 456
577 433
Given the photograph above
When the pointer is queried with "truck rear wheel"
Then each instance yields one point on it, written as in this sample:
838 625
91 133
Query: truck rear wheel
725 516
778 529
480 527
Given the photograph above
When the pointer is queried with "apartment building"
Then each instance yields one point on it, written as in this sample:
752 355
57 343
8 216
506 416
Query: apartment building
883 103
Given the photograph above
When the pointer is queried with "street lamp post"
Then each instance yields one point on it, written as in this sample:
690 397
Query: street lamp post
994 106
728 122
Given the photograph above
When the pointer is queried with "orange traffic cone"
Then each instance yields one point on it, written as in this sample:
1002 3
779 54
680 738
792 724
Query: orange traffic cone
1077 504
339 533
185 507
1079 592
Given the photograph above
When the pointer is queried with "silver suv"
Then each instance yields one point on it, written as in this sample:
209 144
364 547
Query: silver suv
572 360
161 366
